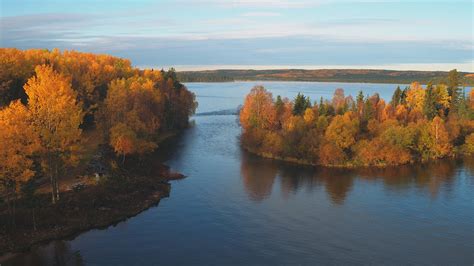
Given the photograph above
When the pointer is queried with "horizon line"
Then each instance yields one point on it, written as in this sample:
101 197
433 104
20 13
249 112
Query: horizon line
462 67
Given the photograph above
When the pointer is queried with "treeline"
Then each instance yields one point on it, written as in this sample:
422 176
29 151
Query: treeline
203 76
49 98
323 75
418 124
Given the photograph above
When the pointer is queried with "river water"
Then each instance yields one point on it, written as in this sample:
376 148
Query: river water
237 208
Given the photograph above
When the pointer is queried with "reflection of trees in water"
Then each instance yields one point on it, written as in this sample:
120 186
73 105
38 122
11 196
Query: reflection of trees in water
338 183
57 253
469 165
258 177
431 176
293 178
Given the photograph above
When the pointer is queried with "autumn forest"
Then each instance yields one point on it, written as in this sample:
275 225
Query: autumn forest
418 124
236 132
80 133
55 104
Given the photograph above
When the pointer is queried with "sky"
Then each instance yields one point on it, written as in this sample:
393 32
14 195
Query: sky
258 34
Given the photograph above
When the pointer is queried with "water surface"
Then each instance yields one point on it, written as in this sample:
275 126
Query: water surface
237 208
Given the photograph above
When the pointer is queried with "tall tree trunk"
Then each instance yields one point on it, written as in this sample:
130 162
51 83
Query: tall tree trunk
57 189
51 177
53 197
14 209
55 184
9 209
34 219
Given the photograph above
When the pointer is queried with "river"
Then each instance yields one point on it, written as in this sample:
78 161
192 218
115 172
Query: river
237 208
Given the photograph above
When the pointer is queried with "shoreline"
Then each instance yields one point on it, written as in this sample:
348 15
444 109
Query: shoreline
106 206
349 167
291 80
121 196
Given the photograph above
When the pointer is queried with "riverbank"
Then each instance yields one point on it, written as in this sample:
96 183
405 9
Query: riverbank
99 206
98 193
342 166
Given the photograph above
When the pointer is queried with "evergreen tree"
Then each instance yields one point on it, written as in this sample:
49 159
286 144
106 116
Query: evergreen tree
454 90
368 109
397 95
463 106
430 104
279 105
307 103
301 103
322 107
403 96
360 102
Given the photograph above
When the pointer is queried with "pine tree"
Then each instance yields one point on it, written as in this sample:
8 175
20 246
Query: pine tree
430 103
454 91
300 104
396 98
368 110
279 105
322 107
360 103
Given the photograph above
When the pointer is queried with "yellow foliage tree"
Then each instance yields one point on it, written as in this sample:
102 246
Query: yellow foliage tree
415 97
56 116
133 112
442 145
401 113
18 142
309 117
433 140
443 98
342 130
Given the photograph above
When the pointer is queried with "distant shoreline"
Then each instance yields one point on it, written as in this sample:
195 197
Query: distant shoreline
369 76
302 81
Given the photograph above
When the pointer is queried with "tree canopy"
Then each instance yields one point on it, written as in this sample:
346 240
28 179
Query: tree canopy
419 124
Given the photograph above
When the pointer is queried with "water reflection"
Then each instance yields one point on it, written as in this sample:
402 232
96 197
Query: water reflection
259 175
56 253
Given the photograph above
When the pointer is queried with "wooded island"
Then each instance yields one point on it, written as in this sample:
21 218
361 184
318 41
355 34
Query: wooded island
418 124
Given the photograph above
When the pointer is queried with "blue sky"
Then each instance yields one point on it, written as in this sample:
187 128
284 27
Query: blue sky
209 34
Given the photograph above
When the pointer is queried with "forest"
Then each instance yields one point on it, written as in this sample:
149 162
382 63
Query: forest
57 107
322 75
418 124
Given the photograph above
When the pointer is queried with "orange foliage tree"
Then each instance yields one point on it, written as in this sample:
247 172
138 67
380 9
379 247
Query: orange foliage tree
138 109
258 110
18 143
342 130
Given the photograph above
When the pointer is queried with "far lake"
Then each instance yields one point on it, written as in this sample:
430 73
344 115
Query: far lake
237 208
